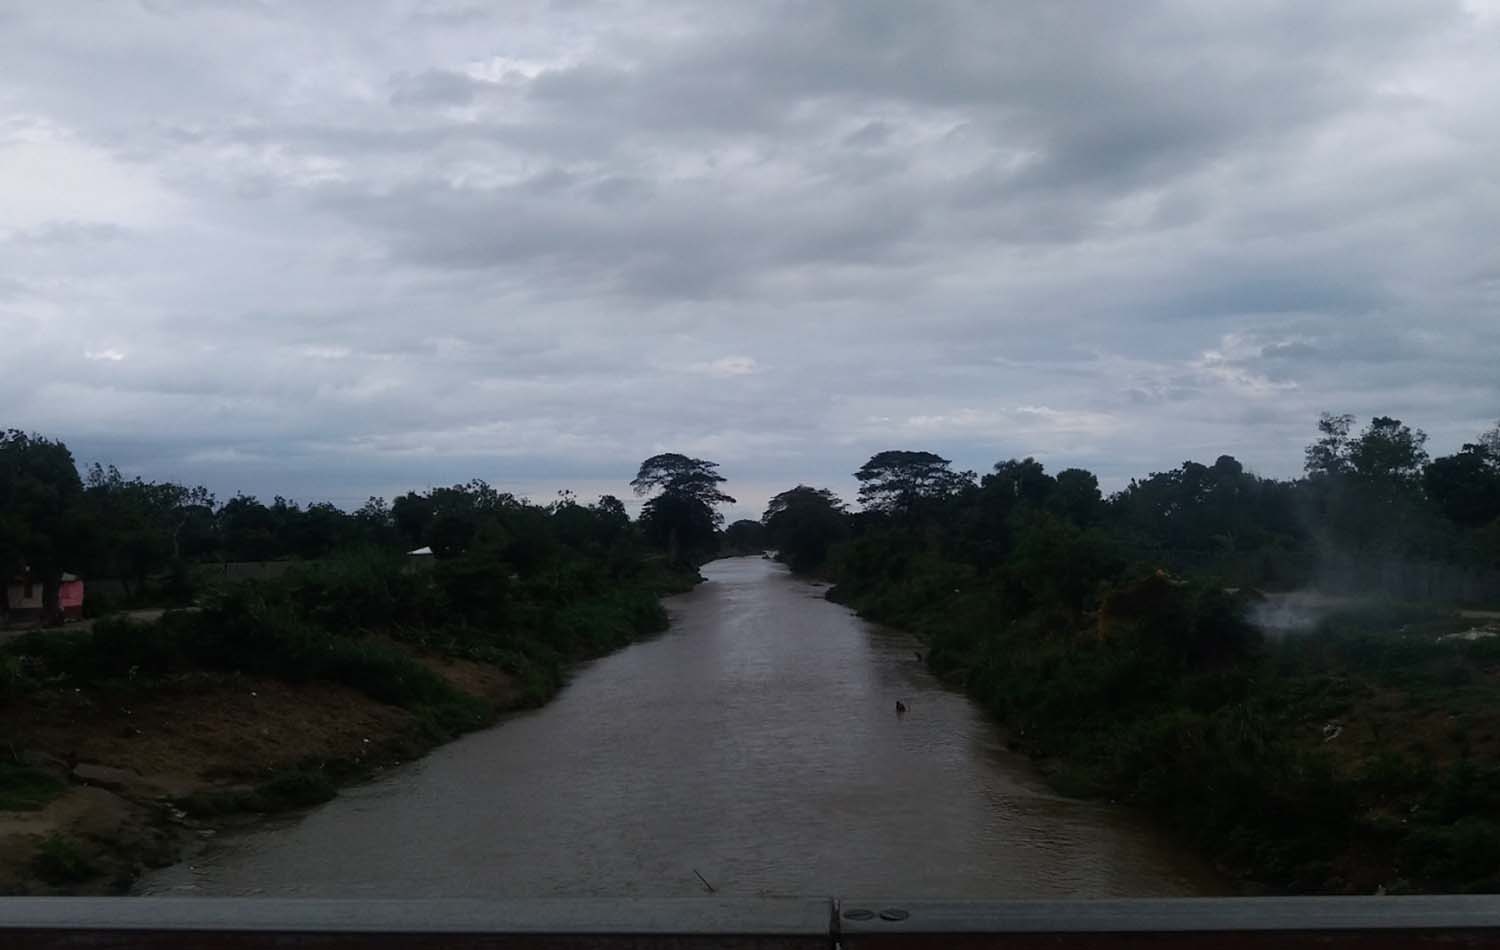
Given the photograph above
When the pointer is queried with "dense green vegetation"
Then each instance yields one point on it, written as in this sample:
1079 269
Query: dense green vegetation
61 861
162 541
1114 637
529 589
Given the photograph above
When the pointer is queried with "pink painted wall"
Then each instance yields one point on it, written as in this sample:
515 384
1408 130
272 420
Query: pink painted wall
70 596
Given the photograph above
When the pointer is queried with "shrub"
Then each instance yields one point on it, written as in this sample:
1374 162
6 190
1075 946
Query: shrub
292 788
14 683
59 861
120 646
1465 854
27 789
296 788
359 590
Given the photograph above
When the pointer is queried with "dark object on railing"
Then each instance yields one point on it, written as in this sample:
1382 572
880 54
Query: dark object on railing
254 923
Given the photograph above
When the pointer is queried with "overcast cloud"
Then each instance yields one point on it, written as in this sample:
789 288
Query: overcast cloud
333 249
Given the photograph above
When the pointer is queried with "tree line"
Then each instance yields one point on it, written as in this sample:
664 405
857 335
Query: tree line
149 534
1371 509
1114 638
1206 517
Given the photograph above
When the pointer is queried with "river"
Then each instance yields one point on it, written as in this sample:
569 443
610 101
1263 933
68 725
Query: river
756 743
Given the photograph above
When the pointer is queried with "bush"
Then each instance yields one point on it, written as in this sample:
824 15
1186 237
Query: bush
14 683
27 789
100 605
252 629
123 646
1465 854
46 656
59 861
359 590
293 788
297 788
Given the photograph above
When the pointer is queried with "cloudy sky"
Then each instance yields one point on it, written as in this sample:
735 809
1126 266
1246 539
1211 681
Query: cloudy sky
341 248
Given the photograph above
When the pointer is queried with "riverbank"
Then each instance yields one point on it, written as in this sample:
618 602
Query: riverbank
128 743
1360 756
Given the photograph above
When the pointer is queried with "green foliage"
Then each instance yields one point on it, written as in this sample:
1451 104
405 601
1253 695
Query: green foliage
251 629
745 537
536 590
902 482
803 524
26 789
42 524
287 789
296 788
681 525
61 861
14 683
1105 635
674 474
1462 856
1056 563
1466 485
682 517
359 589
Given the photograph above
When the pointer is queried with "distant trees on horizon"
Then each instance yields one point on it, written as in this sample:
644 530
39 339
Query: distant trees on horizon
1371 491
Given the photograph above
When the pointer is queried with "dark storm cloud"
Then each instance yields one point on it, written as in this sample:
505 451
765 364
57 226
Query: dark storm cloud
342 248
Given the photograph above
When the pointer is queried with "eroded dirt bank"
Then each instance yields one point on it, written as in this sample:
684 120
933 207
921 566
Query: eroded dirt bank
136 777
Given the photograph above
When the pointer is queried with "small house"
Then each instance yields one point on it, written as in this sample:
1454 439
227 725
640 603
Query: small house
24 596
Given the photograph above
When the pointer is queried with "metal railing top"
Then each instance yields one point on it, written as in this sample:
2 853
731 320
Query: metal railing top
801 922
541 916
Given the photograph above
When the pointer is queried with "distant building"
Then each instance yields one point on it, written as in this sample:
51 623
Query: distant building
24 595
421 559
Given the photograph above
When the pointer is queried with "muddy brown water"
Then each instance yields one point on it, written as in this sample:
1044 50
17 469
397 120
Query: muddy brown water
756 743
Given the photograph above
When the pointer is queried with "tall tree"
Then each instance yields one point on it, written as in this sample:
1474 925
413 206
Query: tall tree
248 529
1329 456
1465 486
802 523
683 515
1390 451
670 472
897 482
1386 451
745 537
412 515
1490 441
1075 495
41 522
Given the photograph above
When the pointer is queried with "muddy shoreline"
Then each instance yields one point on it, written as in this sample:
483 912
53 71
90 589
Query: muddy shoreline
148 774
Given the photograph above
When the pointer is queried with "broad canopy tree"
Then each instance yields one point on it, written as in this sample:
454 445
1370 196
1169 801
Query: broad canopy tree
1387 451
683 515
898 482
1466 485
